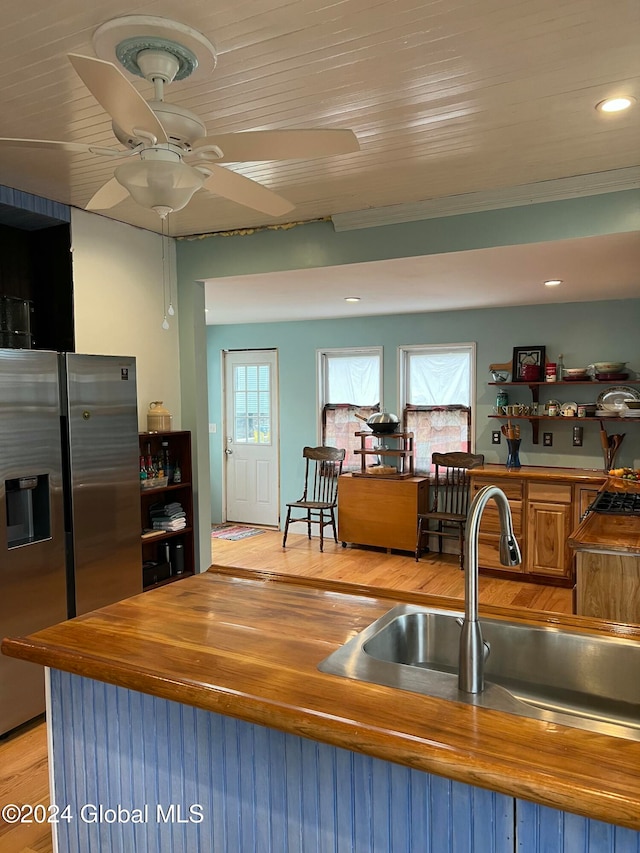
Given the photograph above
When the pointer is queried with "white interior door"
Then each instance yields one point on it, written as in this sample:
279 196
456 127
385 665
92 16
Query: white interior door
251 437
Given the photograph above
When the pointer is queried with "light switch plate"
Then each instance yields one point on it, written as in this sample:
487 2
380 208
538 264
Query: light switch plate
577 436
547 439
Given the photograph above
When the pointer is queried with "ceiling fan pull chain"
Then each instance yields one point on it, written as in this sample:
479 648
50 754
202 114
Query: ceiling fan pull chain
170 309
165 322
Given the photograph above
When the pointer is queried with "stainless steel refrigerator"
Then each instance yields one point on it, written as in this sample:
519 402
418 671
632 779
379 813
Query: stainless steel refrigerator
69 500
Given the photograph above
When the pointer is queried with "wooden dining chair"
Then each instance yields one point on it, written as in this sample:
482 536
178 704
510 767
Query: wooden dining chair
323 466
450 501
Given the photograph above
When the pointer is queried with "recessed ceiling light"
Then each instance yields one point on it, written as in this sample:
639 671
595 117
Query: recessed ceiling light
615 105
553 282
352 299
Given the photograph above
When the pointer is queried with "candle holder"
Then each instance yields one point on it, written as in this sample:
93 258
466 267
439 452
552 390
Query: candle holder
513 456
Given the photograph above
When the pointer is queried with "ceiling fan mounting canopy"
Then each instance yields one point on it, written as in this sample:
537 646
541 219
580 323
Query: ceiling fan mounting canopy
156 58
125 37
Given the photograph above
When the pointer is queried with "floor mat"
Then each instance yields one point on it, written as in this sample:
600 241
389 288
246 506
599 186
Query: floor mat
233 531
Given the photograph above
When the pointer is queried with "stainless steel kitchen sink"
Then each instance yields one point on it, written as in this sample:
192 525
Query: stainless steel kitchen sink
546 673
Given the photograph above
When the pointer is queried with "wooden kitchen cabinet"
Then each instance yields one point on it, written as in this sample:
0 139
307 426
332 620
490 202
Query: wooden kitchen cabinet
381 512
583 497
549 516
489 539
608 586
547 552
545 508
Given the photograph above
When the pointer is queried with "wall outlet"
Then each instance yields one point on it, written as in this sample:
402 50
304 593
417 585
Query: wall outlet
547 439
495 436
577 436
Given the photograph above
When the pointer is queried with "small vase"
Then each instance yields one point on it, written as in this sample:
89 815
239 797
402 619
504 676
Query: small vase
513 456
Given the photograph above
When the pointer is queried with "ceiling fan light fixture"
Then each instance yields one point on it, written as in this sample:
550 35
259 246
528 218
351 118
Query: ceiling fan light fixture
160 185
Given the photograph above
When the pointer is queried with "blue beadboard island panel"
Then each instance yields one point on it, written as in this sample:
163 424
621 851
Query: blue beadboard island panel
257 790
200 781
544 830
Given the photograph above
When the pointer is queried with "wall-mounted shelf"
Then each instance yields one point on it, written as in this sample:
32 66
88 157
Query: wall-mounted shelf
534 420
575 383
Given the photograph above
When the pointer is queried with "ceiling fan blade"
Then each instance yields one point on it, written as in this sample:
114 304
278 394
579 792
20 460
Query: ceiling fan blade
71 147
243 190
117 96
255 145
109 195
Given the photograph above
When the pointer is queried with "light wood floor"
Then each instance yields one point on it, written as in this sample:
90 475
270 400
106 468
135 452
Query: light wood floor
376 568
24 780
23 756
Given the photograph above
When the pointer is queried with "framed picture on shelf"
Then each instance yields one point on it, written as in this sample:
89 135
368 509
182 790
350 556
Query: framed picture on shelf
528 364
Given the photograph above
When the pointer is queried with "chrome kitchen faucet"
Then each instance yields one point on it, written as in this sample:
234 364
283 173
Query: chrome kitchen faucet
473 650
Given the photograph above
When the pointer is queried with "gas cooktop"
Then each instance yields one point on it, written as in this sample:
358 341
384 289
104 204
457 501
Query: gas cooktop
616 503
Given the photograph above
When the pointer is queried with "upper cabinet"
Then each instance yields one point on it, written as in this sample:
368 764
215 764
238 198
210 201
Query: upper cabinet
36 284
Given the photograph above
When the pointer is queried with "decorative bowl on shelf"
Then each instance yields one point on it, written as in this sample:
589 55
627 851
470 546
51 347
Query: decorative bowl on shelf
576 374
609 366
499 375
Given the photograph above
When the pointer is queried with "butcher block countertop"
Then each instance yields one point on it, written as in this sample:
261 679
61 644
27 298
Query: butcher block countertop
617 534
540 472
247 646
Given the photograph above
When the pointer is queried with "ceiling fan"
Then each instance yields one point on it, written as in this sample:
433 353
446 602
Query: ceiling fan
169 153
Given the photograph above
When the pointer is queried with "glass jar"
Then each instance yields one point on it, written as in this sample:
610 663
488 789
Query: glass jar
502 399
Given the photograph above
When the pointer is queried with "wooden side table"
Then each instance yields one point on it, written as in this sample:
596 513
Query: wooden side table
381 512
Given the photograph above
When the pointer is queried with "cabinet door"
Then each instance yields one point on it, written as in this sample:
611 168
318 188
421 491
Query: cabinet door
584 497
548 526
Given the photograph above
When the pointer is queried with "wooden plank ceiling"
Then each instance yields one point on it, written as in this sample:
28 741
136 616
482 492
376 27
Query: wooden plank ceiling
445 96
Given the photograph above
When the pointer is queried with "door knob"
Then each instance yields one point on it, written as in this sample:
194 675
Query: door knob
227 451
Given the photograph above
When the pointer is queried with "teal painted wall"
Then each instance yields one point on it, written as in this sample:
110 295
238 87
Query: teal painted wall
316 244
583 332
